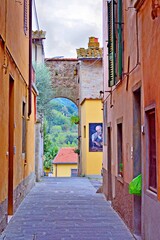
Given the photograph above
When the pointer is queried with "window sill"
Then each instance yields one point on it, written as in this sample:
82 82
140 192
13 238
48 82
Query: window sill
120 179
151 194
118 83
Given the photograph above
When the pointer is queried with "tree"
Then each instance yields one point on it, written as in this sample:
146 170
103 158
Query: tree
50 150
44 86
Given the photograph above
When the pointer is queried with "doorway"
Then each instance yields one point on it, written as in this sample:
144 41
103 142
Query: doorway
137 156
11 146
109 165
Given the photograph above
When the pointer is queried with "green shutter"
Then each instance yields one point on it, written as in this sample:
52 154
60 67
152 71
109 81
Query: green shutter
120 40
111 44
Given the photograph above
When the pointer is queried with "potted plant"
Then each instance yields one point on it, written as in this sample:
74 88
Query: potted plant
47 165
77 151
121 169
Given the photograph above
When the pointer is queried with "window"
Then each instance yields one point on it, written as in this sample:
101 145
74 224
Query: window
23 127
152 165
115 42
25 17
119 149
120 40
84 131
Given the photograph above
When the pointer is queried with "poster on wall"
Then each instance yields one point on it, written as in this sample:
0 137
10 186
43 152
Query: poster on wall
95 137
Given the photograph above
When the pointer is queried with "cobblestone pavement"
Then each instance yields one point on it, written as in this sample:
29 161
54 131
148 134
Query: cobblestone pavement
65 209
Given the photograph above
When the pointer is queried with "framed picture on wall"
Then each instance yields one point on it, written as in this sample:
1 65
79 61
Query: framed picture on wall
95 137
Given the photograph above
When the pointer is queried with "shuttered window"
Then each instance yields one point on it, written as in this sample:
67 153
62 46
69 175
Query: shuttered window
25 17
120 40
111 44
115 42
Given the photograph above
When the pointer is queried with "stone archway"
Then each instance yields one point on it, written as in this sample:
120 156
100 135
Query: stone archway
64 78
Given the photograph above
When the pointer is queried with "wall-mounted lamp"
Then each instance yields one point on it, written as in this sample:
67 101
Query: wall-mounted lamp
101 96
101 93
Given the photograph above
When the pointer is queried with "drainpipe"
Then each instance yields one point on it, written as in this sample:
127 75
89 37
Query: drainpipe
5 64
30 60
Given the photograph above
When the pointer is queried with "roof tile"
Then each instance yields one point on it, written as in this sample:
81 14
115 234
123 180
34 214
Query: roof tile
66 155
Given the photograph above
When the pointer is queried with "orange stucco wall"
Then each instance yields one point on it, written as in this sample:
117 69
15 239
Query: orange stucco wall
16 40
146 75
150 68
14 48
4 132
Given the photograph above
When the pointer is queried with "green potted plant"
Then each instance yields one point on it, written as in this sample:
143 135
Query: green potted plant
47 165
121 169
77 151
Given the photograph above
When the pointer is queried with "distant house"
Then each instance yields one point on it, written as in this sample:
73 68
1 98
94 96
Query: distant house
65 163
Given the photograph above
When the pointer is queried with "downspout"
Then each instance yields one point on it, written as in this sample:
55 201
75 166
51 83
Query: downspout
5 64
30 60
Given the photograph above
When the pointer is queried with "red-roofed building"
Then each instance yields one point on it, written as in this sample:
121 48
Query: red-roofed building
65 163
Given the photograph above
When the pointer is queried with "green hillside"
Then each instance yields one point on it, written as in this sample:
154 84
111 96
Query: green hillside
58 125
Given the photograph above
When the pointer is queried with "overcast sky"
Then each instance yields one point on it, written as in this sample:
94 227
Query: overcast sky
69 24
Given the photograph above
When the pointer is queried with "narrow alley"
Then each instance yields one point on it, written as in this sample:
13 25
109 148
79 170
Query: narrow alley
64 209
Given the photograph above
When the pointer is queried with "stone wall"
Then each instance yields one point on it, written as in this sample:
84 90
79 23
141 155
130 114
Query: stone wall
64 78
123 202
38 151
22 190
19 194
3 215
105 182
91 78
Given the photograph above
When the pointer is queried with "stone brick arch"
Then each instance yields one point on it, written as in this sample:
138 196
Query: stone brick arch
64 78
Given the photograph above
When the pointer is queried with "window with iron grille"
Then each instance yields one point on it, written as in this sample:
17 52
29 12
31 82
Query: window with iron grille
25 17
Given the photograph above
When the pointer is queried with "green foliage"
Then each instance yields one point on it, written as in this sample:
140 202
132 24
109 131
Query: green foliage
58 130
77 151
44 86
59 127
47 164
74 119
49 156
82 175
50 151
121 167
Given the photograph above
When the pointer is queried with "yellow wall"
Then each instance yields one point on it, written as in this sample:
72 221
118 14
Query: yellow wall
90 113
63 170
